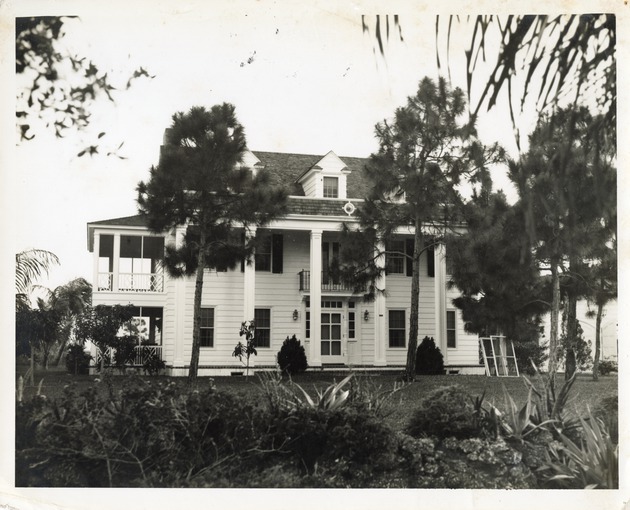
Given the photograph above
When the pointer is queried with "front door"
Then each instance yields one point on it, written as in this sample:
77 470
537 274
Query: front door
331 340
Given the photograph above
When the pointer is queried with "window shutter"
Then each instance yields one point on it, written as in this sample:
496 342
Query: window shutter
276 253
431 261
243 259
409 259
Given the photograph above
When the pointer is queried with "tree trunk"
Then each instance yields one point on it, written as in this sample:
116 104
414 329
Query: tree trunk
555 313
598 340
32 371
571 362
201 264
57 361
410 370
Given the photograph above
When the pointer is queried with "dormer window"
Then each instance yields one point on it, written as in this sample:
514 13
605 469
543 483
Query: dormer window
331 187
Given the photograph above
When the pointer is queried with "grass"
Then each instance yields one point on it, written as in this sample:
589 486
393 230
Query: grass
400 406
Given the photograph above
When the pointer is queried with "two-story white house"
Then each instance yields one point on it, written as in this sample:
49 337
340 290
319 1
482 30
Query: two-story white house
287 289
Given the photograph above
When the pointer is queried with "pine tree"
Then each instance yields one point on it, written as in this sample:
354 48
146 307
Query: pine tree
566 187
424 153
200 183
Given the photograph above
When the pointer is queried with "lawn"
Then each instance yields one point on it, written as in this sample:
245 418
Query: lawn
400 405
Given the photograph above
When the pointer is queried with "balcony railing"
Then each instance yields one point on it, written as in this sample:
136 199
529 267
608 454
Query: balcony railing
132 282
329 283
142 353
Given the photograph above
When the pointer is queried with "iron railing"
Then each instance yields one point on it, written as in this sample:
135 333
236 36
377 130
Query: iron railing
330 283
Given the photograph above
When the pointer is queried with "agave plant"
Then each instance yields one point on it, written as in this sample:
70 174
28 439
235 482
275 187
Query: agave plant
331 398
594 464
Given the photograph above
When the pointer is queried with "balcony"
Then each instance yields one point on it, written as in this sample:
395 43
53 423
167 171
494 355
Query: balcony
131 282
329 283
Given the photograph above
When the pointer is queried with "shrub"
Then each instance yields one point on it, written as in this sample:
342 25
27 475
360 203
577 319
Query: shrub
444 412
292 356
607 410
124 350
606 366
530 356
153 364
77 360
429 359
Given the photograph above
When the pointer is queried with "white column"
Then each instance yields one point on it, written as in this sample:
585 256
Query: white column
380 309
115 268
97 249
180 308
249 284
440 300
315 358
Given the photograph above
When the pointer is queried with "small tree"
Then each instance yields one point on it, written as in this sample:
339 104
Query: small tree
248 330
429 359
101 325
292 357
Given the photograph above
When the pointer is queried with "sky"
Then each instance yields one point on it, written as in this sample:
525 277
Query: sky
303 81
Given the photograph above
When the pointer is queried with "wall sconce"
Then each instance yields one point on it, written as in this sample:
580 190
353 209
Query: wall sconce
295 314
366 315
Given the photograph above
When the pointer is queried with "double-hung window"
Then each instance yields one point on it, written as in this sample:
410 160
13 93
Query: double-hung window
207 327
331 187
262 319
397 328
451 332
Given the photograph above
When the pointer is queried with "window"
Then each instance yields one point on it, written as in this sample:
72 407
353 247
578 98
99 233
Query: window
351 321
396 328
395 257
451 338
263 253
207 327
331 187
269 251
262 319
308 324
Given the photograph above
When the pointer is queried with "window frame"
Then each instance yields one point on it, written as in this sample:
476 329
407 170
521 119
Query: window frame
403 329
452 313
203 328
400 256
327 191
266 328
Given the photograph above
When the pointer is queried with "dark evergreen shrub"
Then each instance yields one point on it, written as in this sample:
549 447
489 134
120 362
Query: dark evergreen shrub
607 366
153 364
429 359
292 357
445 412
77 360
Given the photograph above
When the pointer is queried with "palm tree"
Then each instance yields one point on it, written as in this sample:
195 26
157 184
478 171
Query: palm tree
29 266
70 300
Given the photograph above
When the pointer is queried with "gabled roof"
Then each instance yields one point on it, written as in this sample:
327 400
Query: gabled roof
285 169
126 221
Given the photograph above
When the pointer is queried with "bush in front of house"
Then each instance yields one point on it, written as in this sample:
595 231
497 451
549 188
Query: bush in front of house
607 366
292 356
77 360
429 358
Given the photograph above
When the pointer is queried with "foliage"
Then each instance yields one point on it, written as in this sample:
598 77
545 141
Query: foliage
124 350
29 266
549 404
100 325
607 410
429 358
517 423
530 356
153 364
591 464
493 268
444 412
77 359
569 58
200 182
57 87
607 366
248 330
292 356
581 347
333 397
